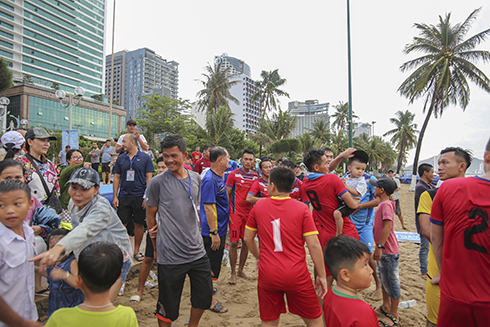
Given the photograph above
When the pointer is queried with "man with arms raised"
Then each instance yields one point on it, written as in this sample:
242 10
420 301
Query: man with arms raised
238 185
132 129
173 197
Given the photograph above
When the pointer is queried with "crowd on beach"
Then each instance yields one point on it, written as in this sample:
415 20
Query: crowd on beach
55 223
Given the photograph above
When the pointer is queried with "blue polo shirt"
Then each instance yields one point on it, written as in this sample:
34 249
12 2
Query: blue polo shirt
213 191
141 164
365 216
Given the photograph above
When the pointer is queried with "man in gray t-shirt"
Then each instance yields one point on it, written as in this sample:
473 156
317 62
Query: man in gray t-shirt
172 202
95 156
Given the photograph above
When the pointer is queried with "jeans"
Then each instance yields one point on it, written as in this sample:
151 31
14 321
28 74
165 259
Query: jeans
388 275
423 254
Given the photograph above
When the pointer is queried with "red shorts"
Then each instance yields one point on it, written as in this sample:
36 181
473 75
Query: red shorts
237 229
457 314
302 302
324 237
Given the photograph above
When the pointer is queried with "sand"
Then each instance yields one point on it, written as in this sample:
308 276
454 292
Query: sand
241 299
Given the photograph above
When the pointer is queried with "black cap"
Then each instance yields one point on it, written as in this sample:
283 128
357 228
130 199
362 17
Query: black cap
360 156
386 183
39 133
131 122
86 177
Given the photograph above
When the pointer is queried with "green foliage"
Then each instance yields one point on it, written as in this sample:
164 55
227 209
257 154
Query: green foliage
216 92
341 116
307 143
97 97
27 79
5 76
378 151
286 146
404 135
268 90
320 131
55 86
84 145
219 124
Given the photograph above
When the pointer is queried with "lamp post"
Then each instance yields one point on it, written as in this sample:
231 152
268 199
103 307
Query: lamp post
4 102
78 92
349 72
373 122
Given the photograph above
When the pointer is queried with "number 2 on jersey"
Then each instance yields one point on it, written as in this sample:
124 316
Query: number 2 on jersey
276 234
477 229
315 202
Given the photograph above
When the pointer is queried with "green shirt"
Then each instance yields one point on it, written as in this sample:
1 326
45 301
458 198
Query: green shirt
65 177
75 317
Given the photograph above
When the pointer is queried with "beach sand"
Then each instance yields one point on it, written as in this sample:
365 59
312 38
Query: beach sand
241 299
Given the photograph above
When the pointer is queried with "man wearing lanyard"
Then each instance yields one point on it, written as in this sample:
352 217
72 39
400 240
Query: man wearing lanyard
132 171
172 200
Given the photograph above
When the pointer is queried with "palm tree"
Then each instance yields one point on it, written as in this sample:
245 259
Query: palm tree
339 141
404 135
268 90
441 73
341 116
320 131
282 124
307 143
219 124
216 92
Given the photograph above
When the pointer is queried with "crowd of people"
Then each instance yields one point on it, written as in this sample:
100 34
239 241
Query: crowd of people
54 223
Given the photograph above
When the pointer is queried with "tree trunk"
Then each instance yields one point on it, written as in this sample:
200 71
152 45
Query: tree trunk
400 158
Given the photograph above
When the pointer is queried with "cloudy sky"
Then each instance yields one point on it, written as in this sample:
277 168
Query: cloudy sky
307 42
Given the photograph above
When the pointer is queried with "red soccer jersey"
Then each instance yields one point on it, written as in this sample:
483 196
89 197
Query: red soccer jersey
296 192
196 156
322 191
281 225
342 310
462 206
201 164
259 188
241 184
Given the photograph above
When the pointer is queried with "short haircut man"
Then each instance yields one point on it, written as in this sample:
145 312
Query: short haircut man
424 168
204 162
132 129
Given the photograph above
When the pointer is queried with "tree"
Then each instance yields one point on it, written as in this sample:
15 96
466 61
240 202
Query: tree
403 136
441 74
5 76
320 131
307 143
286 146
219 124
339 141
55 86
282 125
216 92
97 97
27 79
341 116
268 90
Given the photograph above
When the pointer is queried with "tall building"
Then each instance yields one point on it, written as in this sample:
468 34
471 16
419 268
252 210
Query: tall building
138 73
361 128
49 41
247 114
306 113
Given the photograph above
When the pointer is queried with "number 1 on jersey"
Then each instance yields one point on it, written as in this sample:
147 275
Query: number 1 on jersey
276 234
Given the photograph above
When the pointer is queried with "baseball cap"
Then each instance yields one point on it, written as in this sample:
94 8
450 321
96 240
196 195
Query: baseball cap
131 122
39 133
85 177
14 138
385 183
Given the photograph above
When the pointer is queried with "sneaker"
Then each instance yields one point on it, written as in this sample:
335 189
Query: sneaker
121 291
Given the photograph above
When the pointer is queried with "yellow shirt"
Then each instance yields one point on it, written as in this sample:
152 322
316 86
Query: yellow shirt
75 317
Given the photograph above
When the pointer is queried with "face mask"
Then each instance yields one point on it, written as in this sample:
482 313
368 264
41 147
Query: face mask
22 152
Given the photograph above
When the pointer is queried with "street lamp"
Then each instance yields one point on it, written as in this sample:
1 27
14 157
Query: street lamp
4 102
373 122
78 92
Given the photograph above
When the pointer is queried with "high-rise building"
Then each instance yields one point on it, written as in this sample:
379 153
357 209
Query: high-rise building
246 112
49 41
137 73
361 128
306 113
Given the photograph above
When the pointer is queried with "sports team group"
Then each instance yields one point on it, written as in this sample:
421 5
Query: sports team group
197 205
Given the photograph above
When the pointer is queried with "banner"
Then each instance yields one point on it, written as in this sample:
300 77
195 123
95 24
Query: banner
69 137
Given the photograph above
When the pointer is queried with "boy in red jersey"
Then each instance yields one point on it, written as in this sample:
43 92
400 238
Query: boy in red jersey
322 190
348 261
461 241
296 192
238 185
259 186
283 225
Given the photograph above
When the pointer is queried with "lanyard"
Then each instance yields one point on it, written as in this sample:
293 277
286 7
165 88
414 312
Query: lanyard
131 160
189 191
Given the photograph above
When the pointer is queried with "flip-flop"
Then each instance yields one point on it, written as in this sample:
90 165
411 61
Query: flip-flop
218 307
215 290
389 316
42 292
138 256
135 299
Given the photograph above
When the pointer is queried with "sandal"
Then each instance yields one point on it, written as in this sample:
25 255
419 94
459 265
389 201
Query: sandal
135 299
389 316
43 292
138 256
218 307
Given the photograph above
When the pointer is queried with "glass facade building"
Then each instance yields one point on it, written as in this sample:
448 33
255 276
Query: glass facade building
306 113
54 41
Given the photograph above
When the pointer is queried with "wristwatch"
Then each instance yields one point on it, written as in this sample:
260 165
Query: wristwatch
379 245
214 232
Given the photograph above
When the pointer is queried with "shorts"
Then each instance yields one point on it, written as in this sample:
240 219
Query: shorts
462 314
433 300
106 168
95 166
215 257
171 280
131 210
149 251
389 275
237 229
302 302
125 270
366 235
398 210
345 210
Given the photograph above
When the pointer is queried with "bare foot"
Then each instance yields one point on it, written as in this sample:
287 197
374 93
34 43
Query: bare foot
377 295
243 275
232 280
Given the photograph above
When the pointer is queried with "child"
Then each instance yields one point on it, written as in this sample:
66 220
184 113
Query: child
387 249
354 182
283 225
62 278
16 247
99 267
348 261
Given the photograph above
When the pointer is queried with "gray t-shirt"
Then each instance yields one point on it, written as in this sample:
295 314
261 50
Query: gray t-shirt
95 159
106 154
178 237
398 185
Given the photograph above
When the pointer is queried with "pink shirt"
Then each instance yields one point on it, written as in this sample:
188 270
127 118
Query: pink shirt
386 211
30 213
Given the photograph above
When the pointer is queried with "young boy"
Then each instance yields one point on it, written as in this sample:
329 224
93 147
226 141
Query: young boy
348 261
354 182
387 249
16 247
258 190
99 267
283 225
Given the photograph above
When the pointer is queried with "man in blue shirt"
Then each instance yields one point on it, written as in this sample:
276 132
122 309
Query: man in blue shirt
132 171
215 214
